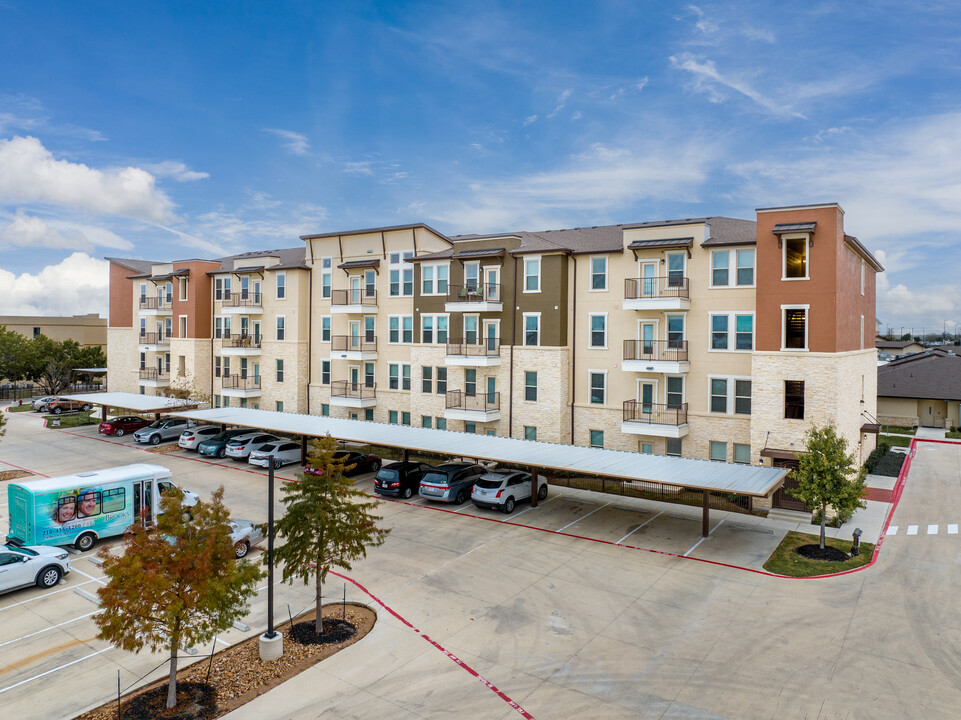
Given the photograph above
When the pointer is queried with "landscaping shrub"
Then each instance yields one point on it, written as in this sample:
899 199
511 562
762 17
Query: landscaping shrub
875 457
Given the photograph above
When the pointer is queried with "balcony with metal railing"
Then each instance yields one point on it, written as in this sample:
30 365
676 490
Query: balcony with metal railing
154 377
473 406
354 300
654 419
353 347
345 393
657 293
153 341
474 352
474 297
241 344
245 302
155 304
657 356
241 385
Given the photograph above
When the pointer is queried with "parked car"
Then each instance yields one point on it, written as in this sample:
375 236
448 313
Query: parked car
217 445
400 478
40 404
192 437
62 404
503 489
243 534
26 565
239 448
355 463
450 482
120 426
284 452
160 430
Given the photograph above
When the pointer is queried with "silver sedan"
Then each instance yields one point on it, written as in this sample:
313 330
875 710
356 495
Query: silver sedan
243 534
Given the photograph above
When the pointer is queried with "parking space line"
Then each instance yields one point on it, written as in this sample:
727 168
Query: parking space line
705 538
47 594
56 669
583 517
52 627
639 527
542 502
932 529
952 529
912 529
892 530
81 572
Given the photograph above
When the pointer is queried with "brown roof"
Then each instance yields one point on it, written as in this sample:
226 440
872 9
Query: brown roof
856 245
934 374
730 231
376 229
894 344
138 266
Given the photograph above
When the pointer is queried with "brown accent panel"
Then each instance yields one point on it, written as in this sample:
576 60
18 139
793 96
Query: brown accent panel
197 307
550 302
121 297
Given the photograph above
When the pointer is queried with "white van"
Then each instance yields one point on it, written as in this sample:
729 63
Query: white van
80 509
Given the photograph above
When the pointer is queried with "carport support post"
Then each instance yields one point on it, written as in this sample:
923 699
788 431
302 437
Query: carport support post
706 515
303 449
403 455
103 412
533 486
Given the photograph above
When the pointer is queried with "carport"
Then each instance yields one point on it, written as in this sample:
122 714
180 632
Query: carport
700 475
132 402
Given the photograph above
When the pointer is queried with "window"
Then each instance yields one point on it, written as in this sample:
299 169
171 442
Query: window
742 397
532 274
226 366
795 258
441 423
720 268
143 361
407 328
399 376
280 406
280 371
183 326
742 326
742 453
532 329
325 372
216 365
426 379
743 332
470 382
369 414
675 392
441 381
433 279
170 293
530 432
400 329
647 449
226 401
216 399
598 273
181 366
719 332
794 399
719 395
530 386
427 328
325 328
675 270
673 446
426 421
675 331
862 278
281 278
795 329
325 276
745 267
218 327
597 385
393 329
36 330
280 327
597 438
862 332
426 279
491 433
598 330
183 288
405 418
392 417
369 375
325 410
470 427
441 321
718 451
400 274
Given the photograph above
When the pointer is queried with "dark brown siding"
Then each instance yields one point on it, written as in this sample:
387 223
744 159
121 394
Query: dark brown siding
551 302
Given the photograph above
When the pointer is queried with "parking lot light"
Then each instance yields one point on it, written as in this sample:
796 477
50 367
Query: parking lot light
271 642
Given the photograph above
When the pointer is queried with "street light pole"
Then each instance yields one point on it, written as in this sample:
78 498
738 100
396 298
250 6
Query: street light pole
271 642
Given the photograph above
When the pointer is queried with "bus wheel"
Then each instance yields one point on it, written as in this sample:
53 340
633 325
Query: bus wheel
85 541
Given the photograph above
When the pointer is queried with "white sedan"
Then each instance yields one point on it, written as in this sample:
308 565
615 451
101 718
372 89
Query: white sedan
23 566
283 452
243 534
190 439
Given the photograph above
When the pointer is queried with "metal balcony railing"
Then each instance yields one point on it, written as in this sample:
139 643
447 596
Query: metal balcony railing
482 402
153 338
652 350
353 343
241 382
241 341
154 374
348 389
242 299
638 411
474 293
354 296
656 287
155 303
479 347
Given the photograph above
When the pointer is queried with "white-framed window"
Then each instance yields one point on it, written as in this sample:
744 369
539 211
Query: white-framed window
400 329
169 289
183 326
218 327
281 329
325 372
326 276
472 275
732 332
732 268
325 328
398 375
216 365
675 331
183 288
442 381
718 451
729 395
598 273
597 331
433 278
280 370
674 396
427 379
433 329
794 257
597 438
530 386
530 432
742 453
720 268
532 274
794 327
675 268
218 288
597 386
719 394
143 292
400 274
745 268
281 280
532 329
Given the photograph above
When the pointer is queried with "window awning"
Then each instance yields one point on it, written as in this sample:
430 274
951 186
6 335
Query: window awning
357 264
793 227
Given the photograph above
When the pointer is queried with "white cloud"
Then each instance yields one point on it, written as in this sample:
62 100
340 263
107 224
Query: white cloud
263 223
561 102
359 168
29 173
30 231
295 143
74 286
577 115
176 170
529 120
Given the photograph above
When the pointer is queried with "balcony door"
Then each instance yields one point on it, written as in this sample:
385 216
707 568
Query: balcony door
256 292
257 332
646 335
648 276
353 375
491 392
490 335
646 392
355 287
491 287
244 326
353 328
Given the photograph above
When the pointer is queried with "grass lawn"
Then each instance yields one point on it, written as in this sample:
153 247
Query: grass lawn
21 408
895 440
784 561
899 429
74 420
953 435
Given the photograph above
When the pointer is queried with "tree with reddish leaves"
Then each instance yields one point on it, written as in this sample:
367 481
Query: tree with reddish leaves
177 583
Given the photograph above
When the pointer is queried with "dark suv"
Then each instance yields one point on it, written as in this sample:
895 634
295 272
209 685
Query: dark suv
400 478
450 482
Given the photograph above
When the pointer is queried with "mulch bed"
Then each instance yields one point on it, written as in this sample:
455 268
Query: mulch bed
814 552
238 675
169 448
13 475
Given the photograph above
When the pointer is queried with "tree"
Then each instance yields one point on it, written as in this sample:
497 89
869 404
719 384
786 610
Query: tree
177 584
828 475
183 388
328 522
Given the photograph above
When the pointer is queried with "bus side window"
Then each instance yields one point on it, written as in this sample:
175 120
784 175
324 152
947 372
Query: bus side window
114 500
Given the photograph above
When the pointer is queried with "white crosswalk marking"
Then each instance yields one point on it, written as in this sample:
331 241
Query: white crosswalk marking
912 529
893 530
952 529
932 529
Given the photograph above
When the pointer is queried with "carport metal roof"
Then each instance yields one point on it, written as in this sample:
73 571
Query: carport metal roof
748 480
132 401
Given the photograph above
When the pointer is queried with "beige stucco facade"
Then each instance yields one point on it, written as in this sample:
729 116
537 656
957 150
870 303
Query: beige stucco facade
87 330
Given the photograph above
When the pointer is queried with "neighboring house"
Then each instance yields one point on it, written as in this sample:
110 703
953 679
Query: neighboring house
897 348
87 330
922 389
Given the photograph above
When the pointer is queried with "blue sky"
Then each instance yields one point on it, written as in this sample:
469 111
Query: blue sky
167 130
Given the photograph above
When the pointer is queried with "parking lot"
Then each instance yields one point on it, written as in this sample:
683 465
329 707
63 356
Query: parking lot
552 605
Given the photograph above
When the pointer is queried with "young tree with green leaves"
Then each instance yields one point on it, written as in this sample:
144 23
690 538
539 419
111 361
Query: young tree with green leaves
328 522
177 583
828 475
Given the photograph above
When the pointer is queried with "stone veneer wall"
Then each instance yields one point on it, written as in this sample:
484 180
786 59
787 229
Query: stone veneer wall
123 359
197 354
292 392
